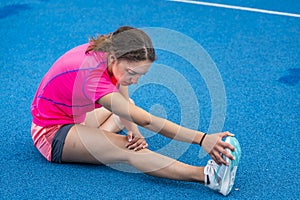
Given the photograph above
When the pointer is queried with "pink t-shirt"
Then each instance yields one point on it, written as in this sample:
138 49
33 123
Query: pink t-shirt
71 88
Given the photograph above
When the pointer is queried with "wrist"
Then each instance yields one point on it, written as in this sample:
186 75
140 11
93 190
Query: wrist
199 135
202 139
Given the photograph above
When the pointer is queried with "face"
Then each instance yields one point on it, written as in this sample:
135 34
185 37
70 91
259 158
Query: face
128 73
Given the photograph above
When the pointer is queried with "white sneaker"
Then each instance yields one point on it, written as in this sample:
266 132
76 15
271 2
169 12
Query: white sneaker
221 177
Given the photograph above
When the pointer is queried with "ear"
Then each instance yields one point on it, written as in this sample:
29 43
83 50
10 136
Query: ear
112 57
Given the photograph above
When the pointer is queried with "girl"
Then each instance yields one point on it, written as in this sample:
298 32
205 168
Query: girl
82 101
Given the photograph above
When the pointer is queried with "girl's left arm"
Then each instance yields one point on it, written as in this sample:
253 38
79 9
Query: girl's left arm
135 138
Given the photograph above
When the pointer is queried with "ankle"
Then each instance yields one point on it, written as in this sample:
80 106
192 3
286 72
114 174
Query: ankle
199 175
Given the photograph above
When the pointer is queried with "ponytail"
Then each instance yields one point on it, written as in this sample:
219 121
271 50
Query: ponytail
102 43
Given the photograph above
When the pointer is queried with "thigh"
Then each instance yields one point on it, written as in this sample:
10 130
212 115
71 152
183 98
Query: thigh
85 144
96 146
112 124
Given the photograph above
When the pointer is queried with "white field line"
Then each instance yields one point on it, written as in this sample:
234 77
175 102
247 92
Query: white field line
238 8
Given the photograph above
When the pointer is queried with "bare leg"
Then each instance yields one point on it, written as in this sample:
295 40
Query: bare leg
97 117
103 119
112 124
91 145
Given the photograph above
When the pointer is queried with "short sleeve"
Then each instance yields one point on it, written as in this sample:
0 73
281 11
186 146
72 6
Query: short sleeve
98 83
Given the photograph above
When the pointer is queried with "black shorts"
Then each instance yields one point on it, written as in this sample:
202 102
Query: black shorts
59 141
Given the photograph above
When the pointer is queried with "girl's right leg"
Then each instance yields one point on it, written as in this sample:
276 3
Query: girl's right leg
92 145
103 119
97 117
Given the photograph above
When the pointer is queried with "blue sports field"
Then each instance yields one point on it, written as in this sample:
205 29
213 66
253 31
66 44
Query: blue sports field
222 65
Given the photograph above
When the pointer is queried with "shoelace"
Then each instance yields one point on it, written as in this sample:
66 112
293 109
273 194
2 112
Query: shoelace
210 168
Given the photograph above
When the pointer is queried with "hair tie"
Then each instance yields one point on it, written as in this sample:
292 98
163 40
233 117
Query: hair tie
200 143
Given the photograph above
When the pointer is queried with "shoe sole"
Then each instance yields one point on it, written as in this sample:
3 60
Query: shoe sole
230 170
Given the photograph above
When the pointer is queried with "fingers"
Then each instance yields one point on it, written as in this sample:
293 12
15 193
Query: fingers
218 151
226 145
129 136
227 133
218 158
137 143
214 158
222 152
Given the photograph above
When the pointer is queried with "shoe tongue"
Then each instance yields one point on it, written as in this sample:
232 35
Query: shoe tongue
210 168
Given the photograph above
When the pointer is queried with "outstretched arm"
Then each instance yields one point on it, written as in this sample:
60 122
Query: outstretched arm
212 144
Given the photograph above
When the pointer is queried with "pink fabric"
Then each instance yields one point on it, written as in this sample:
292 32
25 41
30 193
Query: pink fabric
43 137
69 90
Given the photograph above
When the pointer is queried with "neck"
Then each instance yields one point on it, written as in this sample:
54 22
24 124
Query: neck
109 66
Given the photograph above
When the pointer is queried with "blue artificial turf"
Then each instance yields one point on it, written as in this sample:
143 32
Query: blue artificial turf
257 61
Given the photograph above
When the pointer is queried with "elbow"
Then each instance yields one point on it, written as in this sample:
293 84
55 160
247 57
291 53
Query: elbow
144 121
142 117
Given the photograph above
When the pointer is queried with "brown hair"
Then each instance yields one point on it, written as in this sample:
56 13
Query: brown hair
126 43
